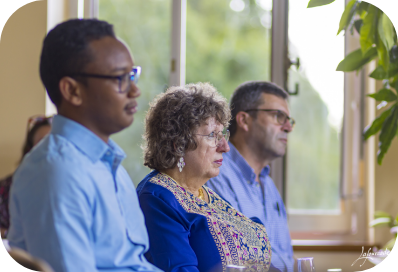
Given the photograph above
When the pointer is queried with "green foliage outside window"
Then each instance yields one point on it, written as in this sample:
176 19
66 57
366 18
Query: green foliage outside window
313 160
225 48
145 27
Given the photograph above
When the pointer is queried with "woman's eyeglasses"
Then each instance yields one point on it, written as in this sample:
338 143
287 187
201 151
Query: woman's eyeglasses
216 137
280 116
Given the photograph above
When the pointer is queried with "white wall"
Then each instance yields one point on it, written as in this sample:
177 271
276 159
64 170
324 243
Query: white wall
386 189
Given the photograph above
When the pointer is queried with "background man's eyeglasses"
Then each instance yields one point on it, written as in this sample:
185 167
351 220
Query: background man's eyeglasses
124 80
280 116
216 138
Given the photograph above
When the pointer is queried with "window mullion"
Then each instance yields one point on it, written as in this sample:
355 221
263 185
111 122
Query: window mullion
279 74
178 43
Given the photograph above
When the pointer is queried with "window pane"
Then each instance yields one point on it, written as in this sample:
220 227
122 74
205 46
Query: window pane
313 160
228 42
145 27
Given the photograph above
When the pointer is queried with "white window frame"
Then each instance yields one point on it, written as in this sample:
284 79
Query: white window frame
356 184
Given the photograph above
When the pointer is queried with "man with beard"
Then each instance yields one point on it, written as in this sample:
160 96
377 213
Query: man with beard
259 127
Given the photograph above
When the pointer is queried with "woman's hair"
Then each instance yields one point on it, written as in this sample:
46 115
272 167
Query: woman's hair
38 123
173 118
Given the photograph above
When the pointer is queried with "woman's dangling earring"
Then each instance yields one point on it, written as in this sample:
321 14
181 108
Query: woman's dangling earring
181 164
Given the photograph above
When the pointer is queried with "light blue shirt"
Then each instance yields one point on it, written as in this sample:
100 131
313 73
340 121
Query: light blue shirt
73 205
236 184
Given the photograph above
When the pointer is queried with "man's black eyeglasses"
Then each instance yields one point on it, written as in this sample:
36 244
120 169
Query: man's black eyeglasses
280 116
124 80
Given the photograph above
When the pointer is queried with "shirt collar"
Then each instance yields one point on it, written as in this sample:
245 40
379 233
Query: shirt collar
247 171
84 139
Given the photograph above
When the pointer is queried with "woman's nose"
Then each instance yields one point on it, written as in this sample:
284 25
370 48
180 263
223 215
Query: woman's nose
223 146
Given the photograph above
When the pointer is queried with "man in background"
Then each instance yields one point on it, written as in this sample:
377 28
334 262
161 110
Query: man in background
259 127
72 204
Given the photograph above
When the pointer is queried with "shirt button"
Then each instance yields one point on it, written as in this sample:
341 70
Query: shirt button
108 153
248 182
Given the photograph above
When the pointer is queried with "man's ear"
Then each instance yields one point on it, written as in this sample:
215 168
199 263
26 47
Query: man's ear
71 91
243 120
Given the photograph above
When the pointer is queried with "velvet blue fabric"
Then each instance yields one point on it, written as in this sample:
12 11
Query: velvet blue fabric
188 234
237 184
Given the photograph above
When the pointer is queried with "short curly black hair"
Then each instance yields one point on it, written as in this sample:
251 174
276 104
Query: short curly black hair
66 51
174 116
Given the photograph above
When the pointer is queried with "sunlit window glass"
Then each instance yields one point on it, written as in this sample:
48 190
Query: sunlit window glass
145 27
313 157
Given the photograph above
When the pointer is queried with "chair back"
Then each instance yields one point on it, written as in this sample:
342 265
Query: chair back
26 260
6 245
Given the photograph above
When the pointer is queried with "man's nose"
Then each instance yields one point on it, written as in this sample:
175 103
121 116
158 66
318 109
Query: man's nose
134 91
287 127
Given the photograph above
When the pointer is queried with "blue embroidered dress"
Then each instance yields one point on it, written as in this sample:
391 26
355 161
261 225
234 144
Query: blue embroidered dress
188 234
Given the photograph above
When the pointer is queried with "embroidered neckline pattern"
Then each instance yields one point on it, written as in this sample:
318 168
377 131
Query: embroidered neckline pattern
239 240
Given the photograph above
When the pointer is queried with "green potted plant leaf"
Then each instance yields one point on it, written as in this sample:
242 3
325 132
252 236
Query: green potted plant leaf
383 219
378 40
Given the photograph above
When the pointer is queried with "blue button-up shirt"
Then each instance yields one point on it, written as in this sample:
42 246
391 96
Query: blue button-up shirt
73 205
236 184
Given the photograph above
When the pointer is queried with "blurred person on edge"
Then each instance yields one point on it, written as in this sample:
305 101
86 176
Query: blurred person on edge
38 127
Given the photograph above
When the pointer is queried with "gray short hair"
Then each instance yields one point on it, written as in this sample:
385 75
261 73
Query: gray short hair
247 96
